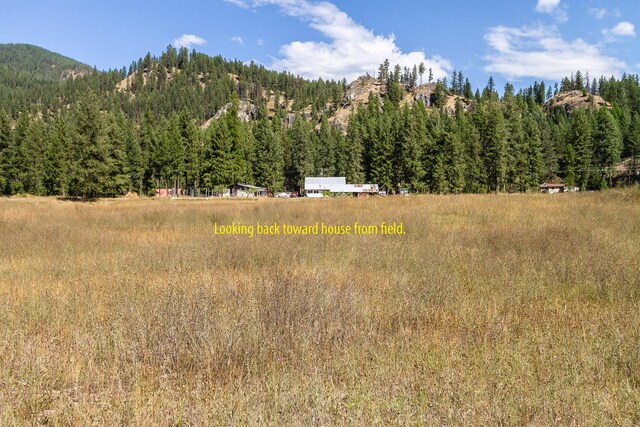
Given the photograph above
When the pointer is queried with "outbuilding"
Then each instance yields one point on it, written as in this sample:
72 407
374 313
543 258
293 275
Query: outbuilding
318 187
552 188
246 190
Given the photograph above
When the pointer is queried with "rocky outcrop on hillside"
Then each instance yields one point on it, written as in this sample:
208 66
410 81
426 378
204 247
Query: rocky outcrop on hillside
575 99
358 91
246 112
356 94
73 74
425 93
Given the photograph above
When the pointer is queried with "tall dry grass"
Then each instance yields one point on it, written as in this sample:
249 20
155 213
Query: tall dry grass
511 310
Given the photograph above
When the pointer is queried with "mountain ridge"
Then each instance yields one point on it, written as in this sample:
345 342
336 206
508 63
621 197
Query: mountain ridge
40 62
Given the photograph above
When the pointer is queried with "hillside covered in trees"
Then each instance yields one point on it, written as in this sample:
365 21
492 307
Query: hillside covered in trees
201 123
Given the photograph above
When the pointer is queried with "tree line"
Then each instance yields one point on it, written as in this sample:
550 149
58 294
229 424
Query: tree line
95 146
498 146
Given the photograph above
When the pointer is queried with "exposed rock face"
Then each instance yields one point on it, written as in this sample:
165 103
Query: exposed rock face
425 93
569 101
358 91
72 74
289 119
452 100
246 112
358 94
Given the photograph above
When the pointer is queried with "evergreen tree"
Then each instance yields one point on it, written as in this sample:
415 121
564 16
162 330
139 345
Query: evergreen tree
467 92
421 70
33 149
454 82
381 153
491 86
433 157
326 149
161 155
383 71
177 151
352 151
579 83
240 144
607 144
148 140
118 137
91 150
569 165
135 164
508 93
393 95
516 150
440 95
18 157
580 137
414 152
475 179
634 146
493 138
302 152
534 158
57 159
269 157
5 145
453 150
219 159
192 151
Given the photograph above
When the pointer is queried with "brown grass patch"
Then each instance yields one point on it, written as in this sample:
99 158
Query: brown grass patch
514 310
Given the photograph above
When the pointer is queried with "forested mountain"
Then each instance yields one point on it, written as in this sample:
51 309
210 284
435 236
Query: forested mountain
201 123
39 63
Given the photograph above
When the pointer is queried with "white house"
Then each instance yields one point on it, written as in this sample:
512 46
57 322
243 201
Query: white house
317 187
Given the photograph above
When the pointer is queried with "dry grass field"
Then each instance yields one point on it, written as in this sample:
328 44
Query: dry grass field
490 310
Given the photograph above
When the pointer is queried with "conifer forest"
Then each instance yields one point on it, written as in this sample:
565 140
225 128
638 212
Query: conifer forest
187 120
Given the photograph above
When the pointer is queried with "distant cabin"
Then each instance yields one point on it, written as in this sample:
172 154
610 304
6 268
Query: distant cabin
551 188
317 187
245 190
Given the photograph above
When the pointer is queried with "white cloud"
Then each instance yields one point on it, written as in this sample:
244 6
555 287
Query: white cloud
553 7
237 39
188 40
547 6
352 50
260 42
239 3
598 12
623 29
540 52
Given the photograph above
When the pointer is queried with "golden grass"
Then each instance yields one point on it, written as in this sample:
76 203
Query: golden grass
512 310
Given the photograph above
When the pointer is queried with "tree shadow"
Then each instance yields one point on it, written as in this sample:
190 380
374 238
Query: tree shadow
77 199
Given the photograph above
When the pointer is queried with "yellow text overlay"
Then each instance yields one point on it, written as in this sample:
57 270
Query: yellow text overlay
391 228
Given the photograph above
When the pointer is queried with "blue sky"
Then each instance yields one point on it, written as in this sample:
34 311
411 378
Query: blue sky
519 41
